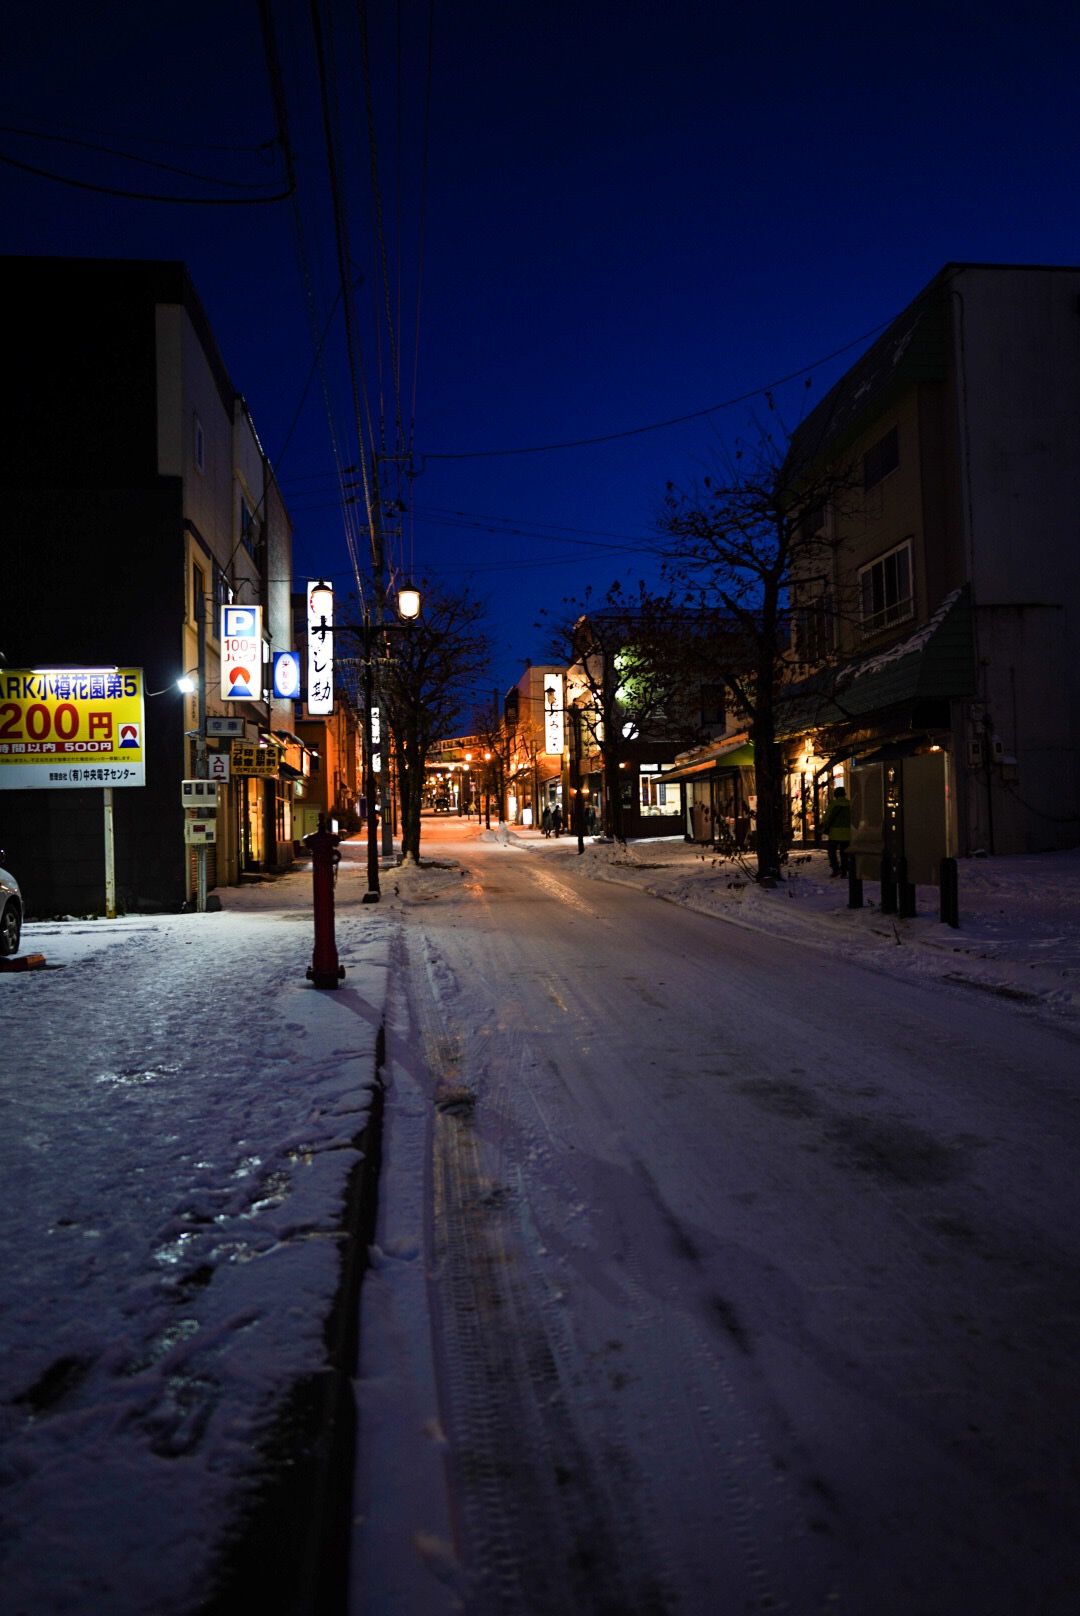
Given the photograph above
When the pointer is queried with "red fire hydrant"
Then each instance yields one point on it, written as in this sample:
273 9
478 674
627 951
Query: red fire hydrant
322 844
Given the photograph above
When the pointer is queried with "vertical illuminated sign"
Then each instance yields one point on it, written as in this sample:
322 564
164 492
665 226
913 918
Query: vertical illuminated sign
241 653
554 703
320 649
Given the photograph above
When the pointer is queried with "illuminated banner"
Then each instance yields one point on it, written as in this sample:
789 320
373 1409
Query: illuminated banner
320 649
286 675
260 761
241 653
62 727
553 712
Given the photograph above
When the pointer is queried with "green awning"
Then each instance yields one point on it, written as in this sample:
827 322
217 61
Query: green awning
934 664
737 755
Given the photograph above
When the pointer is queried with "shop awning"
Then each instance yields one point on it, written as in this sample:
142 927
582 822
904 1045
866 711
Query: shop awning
934 664
735 753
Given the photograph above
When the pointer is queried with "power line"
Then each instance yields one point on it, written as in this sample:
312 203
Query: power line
134 157
150 140
144 196
658 426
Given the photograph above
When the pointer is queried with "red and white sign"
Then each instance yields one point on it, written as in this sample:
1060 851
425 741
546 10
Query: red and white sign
241 653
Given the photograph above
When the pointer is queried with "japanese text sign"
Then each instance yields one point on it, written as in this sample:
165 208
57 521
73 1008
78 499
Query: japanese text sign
67 727
320 657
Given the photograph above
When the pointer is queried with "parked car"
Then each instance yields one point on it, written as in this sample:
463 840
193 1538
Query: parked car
11 912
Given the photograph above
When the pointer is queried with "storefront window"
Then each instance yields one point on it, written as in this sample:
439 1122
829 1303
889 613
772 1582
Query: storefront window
656 798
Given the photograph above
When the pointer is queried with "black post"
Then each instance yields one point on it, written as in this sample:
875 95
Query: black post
905 891
949 884
888 886
579 801
854 887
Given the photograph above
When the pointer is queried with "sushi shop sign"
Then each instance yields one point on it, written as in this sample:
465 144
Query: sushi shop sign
66 728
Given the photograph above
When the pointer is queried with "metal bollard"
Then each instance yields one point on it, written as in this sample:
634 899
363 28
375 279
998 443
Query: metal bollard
324 970
905 891
949 883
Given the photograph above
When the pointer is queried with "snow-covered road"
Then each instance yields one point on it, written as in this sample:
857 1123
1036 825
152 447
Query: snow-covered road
755 1275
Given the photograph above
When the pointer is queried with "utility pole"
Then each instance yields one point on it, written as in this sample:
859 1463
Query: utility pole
201 765
372 894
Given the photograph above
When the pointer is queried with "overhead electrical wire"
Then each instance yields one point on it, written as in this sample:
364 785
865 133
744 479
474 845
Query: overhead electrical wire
144 196
280 100
380 229
134 157
360 403
155 140
658 426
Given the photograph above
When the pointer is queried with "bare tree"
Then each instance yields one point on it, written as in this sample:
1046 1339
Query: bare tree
495 740
738 544
637 663
426 682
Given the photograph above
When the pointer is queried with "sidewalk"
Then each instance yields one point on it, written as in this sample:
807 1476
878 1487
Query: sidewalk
188 1143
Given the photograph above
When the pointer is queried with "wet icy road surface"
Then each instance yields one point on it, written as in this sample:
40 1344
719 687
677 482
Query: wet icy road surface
754 1275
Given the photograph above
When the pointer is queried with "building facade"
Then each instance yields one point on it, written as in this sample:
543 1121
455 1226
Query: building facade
137 503
936 622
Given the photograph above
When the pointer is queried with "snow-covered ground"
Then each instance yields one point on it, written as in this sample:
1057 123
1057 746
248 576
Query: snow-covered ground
752 1269
179 1116
1019 932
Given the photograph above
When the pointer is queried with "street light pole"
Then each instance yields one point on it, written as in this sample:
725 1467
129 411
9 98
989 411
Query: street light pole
372 893
408 604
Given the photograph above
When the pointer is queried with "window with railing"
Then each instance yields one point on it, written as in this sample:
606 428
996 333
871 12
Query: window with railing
885 590
815 630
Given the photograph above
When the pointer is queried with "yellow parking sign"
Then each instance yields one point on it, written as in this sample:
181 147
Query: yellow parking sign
71 727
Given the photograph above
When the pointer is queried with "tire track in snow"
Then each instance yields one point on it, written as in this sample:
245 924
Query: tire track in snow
541 1533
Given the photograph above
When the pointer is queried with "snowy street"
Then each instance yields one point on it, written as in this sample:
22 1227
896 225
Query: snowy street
725 1256
754 1273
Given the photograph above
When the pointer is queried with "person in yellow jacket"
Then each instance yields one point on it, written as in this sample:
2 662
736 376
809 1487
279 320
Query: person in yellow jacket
836 828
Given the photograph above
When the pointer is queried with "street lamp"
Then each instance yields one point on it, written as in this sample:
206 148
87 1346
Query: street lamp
187 684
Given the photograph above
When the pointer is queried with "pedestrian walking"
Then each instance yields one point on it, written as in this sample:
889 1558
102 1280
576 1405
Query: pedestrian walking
545 820
556 820
836 827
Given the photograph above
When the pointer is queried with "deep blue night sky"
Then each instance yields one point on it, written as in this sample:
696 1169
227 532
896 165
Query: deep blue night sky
633 213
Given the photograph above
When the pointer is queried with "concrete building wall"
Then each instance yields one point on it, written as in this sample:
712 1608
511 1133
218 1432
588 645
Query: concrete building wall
110 489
